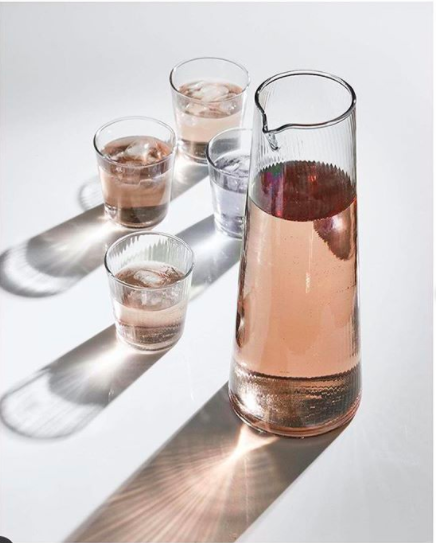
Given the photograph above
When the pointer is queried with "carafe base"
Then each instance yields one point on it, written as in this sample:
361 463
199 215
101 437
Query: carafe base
285 424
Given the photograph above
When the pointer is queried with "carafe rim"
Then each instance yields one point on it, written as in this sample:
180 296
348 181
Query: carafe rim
309 126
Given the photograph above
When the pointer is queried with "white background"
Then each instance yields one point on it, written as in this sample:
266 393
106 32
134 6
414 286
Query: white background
67 69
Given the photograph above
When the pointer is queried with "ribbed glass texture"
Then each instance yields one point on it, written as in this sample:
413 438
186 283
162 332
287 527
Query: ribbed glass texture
296 364
150 317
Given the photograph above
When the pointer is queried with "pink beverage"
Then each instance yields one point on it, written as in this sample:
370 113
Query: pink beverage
136 180
203 109
296 360
152 314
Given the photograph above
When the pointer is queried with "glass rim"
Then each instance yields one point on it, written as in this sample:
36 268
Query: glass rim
135 118
197 100
156 234
315 73
209 158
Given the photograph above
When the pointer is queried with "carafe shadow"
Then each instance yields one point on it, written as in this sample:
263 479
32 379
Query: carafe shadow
209 483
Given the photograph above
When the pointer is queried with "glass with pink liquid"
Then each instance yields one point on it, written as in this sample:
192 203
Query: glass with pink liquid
208 97
135 157
149 279
296 363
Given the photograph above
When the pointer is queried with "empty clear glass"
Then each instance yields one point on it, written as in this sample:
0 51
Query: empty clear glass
208 97
135 160
228 157
149 278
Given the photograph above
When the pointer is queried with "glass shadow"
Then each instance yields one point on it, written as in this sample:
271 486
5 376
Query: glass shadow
90 194
66 395
209 483
55 260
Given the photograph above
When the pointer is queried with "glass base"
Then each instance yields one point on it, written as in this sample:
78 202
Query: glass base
233 229
159 348
149 339
137 218
193 151
311 431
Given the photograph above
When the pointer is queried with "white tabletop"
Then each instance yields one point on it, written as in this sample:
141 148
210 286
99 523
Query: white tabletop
106 445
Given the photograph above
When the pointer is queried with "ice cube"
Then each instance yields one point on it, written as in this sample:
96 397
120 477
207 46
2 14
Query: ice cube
228 107
147 150
194 86
114 155
153 300
206 91
236 165
232 165
237 169
212 92
150 278
232 183
197 110
243 168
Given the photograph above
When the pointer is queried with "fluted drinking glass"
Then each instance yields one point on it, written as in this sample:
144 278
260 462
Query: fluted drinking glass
149 279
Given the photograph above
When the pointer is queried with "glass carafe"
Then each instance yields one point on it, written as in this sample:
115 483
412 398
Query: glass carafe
296 364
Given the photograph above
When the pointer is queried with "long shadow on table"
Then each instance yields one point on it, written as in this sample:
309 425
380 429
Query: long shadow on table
209 483
57 259
66 395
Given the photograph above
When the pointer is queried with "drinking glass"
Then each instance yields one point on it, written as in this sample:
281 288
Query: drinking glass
228 157
135 158
208 98
150 306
